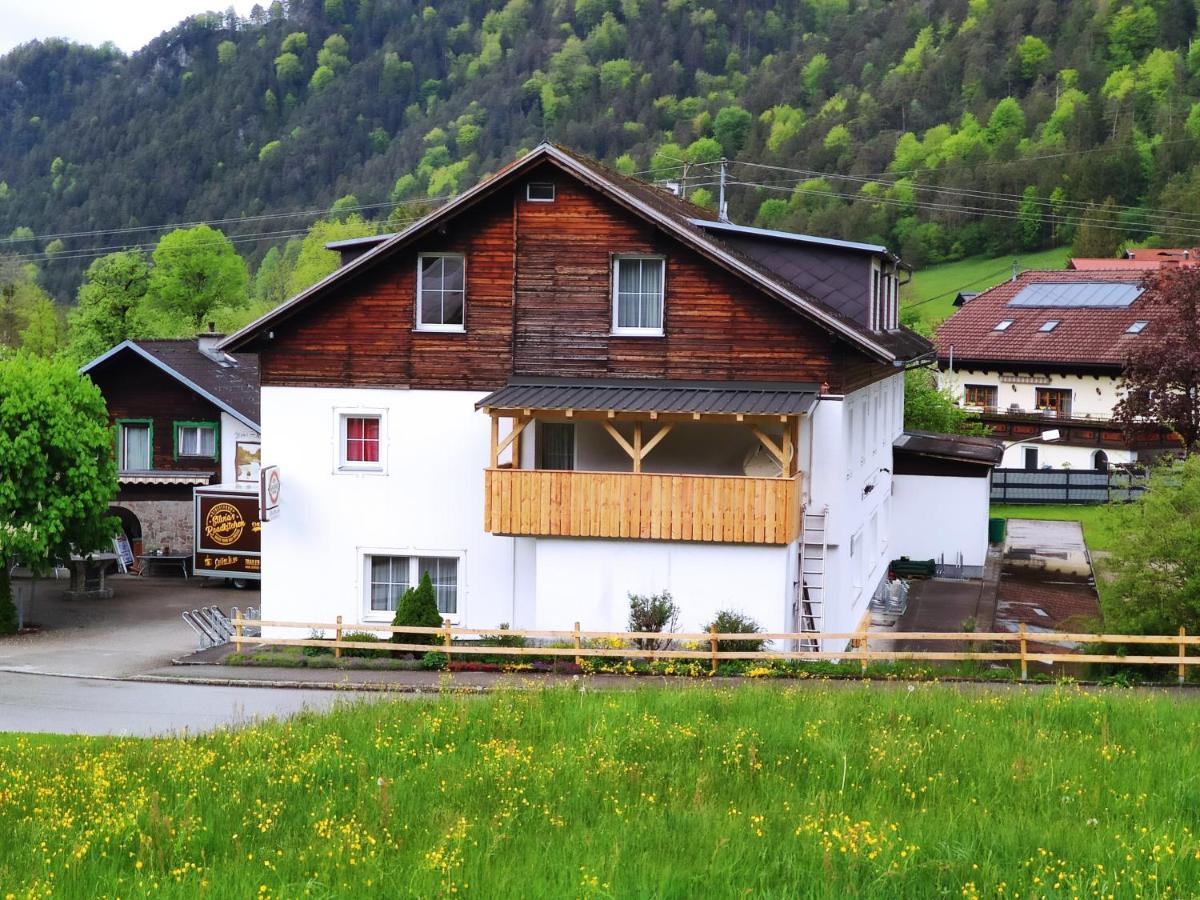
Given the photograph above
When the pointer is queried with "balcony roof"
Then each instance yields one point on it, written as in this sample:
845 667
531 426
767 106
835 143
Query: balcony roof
722 398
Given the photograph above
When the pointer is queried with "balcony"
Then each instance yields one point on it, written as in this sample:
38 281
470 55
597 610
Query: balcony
722 509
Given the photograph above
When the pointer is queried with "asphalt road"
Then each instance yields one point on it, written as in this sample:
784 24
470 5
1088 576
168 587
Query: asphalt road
49 703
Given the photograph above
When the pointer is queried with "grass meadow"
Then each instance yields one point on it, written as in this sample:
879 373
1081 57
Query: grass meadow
1102 523
811 790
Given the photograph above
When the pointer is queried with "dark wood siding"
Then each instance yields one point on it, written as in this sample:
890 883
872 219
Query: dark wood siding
135 389
717 327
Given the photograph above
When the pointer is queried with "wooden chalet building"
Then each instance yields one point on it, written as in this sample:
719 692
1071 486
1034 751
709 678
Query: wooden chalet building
1045 352
567 385
184 415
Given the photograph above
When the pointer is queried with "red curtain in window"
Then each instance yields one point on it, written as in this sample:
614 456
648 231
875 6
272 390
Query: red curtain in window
362 440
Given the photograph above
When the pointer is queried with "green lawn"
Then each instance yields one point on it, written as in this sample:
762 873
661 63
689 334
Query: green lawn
937 286
808 791
1101 523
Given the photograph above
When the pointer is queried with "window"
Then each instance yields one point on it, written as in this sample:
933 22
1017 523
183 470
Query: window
1136 328
360 439
556 446
985 395
1003 325
441 292
876 295
1049 325
1054 401
134 441
638 295
196 439
539 192
388 577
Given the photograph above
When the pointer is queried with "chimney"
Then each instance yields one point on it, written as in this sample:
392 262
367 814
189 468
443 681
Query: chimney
207 342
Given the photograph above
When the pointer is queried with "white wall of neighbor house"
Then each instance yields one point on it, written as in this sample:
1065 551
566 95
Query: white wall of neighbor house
1092 396
234 432
936 517
1059 455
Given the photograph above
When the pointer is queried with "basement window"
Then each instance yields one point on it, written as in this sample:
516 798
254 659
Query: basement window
1049 325
539 192
1136 328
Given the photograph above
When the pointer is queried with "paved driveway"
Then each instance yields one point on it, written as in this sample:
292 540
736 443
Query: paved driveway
137 629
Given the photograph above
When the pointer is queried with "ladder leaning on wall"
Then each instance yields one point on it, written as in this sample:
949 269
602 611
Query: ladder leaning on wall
809 611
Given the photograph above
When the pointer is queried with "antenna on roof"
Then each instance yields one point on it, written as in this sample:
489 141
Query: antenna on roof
722 209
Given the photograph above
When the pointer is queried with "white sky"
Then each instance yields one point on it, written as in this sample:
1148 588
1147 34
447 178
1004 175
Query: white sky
130 24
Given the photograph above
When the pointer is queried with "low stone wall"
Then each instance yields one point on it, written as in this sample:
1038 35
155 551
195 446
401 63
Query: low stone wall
163 521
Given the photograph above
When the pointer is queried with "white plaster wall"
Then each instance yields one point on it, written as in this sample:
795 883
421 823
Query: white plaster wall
1092 396
589 581
1058 455
428 500
700 449
940 516
233 431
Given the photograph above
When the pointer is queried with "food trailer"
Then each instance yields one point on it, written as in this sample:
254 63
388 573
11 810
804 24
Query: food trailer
228 530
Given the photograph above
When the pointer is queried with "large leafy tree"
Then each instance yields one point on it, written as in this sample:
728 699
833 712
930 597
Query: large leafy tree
196 272
1161 381
928 409
314 261
28 317
110 306
57 473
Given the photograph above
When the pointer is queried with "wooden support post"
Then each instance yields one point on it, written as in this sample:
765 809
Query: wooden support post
713 644
637 447
788 451
578 646
337 639
495 441
1024 658
237 632
1182 654
446 640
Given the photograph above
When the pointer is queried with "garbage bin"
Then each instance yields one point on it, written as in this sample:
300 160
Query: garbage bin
996 531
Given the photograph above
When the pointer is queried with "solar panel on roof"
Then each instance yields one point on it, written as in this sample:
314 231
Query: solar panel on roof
1095 294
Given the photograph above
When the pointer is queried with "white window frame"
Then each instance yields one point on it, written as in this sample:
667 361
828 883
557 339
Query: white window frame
435 326
413 554
344 466
614 270
876 293
529 186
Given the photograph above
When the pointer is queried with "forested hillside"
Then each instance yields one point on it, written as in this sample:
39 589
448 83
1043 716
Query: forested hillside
945 128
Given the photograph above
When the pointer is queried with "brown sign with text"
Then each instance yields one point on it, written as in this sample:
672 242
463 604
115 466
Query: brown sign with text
228 534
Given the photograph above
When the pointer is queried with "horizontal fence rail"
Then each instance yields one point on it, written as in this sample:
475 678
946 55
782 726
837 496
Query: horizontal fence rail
1065 486
857 644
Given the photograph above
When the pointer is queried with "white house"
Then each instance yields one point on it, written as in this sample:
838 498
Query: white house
565 386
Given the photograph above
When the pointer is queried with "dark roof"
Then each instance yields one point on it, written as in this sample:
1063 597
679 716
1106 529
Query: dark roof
230 380
876 249
1086 337
982 451
685 220
369 241
655 395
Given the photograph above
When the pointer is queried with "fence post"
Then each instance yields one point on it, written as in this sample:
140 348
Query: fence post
1024 660
1182 653
578 647
237 633
446 640
862 646
337 639
712 629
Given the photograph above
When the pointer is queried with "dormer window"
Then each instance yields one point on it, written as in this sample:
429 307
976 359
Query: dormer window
1003 325
441 292
638 295
1049 325
1136 328
540 192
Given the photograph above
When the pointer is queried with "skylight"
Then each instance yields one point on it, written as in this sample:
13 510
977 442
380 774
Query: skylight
1003 325
1049 325
1136 327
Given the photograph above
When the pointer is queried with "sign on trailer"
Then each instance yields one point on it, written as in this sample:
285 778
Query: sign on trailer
228 534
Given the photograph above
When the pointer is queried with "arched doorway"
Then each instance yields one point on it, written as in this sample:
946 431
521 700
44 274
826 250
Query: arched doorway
132 526
1100 461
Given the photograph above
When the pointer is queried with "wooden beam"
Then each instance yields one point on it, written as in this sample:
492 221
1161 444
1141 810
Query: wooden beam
512 435
654 441
637 447
789 452
620 439
771 446
495 441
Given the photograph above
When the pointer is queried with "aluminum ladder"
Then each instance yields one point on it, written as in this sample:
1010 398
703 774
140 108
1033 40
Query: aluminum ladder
809 612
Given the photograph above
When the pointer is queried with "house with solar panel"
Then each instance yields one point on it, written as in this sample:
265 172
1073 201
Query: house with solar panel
565 386
1044 353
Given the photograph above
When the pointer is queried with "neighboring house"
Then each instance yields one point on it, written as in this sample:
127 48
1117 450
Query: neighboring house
567 385
1045 352
1139 259
184 414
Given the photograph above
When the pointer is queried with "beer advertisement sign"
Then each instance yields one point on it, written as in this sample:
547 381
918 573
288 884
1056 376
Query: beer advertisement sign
228 534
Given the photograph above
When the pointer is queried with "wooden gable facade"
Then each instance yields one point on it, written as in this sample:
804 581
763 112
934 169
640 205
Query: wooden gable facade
539 302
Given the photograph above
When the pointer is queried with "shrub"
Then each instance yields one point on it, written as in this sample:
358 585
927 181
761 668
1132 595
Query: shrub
503 639
316 635
657 612
363 637
730 621
418 609
434 660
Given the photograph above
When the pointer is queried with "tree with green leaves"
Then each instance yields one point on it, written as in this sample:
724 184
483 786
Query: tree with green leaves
28 317
417 608
1099 235
926 408
731 127
314 261
196 271
57 473
110 304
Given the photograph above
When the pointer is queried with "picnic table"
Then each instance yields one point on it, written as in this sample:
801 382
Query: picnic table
180 560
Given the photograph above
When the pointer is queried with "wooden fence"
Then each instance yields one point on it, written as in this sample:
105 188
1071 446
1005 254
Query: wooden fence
857 644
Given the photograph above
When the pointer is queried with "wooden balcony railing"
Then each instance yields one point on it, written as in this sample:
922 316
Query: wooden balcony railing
725 509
